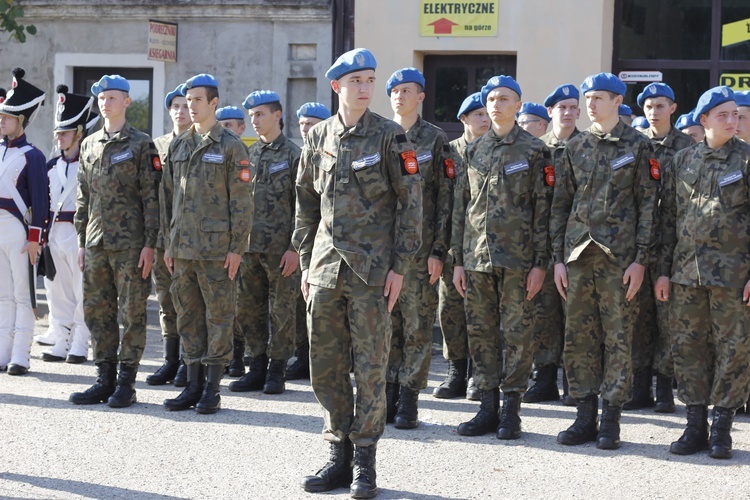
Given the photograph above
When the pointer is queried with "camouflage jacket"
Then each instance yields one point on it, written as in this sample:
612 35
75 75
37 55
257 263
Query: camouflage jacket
162 146
459 145
118 191
274 170
605 192
667 146
437 166
359 199
501 204
556 146
705 216
207 202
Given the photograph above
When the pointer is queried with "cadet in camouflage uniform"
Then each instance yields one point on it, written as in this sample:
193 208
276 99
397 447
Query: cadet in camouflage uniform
176 104
208 204
451 313
651 342
688 126
743 115
414 314
358 228
549 330
705 232
117 221
500 245
602 229
533 118
269 271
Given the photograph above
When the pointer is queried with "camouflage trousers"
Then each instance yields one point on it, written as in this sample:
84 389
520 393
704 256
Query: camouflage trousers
452 316
261 283
349 324
112 282
301 340
549 327
490 298
413 318
652 346
204 298
710 345
598 329
163 280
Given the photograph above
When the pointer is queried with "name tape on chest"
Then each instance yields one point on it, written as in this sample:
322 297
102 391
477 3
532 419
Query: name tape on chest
622 161
213 158
365 161
515 167
278 167
730 178
424 156
121 157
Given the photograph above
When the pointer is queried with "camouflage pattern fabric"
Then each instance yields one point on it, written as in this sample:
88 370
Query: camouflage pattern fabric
163 280
301 340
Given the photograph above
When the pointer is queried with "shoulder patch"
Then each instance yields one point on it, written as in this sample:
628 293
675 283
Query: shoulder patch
401 138
409 164
450 168
156 163
654 169
245 175
549 175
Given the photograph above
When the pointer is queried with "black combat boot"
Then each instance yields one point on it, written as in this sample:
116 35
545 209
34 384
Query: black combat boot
210 401
237 365
609 433
720 442
181 378
191 394
406 415
472 391
392 392
168 370
510 421
124 394
364 483
695 436
300 369
454 385
567 399
101 390
545 386
255 377
336 473
664 395
485 421
642 396
275 377
584 429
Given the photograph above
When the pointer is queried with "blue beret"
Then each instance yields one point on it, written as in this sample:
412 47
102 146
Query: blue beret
500 81
202 80
349 62
655 90
567 91
686 121
313 110
474 101
532 108
624 110
603 81
742 98
230 113
404 75
260 97
178 92
712 98
640 122
110 82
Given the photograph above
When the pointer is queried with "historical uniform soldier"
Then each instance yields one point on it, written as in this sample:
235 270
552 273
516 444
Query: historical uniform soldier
651 342
414 314
309 114
602 229
451 313
232 118
358 228
549 329
172 369
24 206
73 119
207 203
117 221
687 125
500 245
705 232
269 275
533 118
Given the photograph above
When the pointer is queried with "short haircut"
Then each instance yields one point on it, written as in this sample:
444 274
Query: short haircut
211 92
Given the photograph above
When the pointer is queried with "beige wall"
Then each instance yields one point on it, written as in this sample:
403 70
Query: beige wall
555 41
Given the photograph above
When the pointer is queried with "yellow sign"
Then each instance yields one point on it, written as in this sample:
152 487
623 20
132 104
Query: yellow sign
736 81
735 32
162 41
458 18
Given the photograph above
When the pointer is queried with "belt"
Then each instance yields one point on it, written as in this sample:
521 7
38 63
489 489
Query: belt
9 205
62 216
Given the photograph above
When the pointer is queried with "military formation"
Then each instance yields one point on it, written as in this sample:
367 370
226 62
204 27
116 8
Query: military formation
619 253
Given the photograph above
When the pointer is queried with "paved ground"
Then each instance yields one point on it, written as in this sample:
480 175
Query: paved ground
260 446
